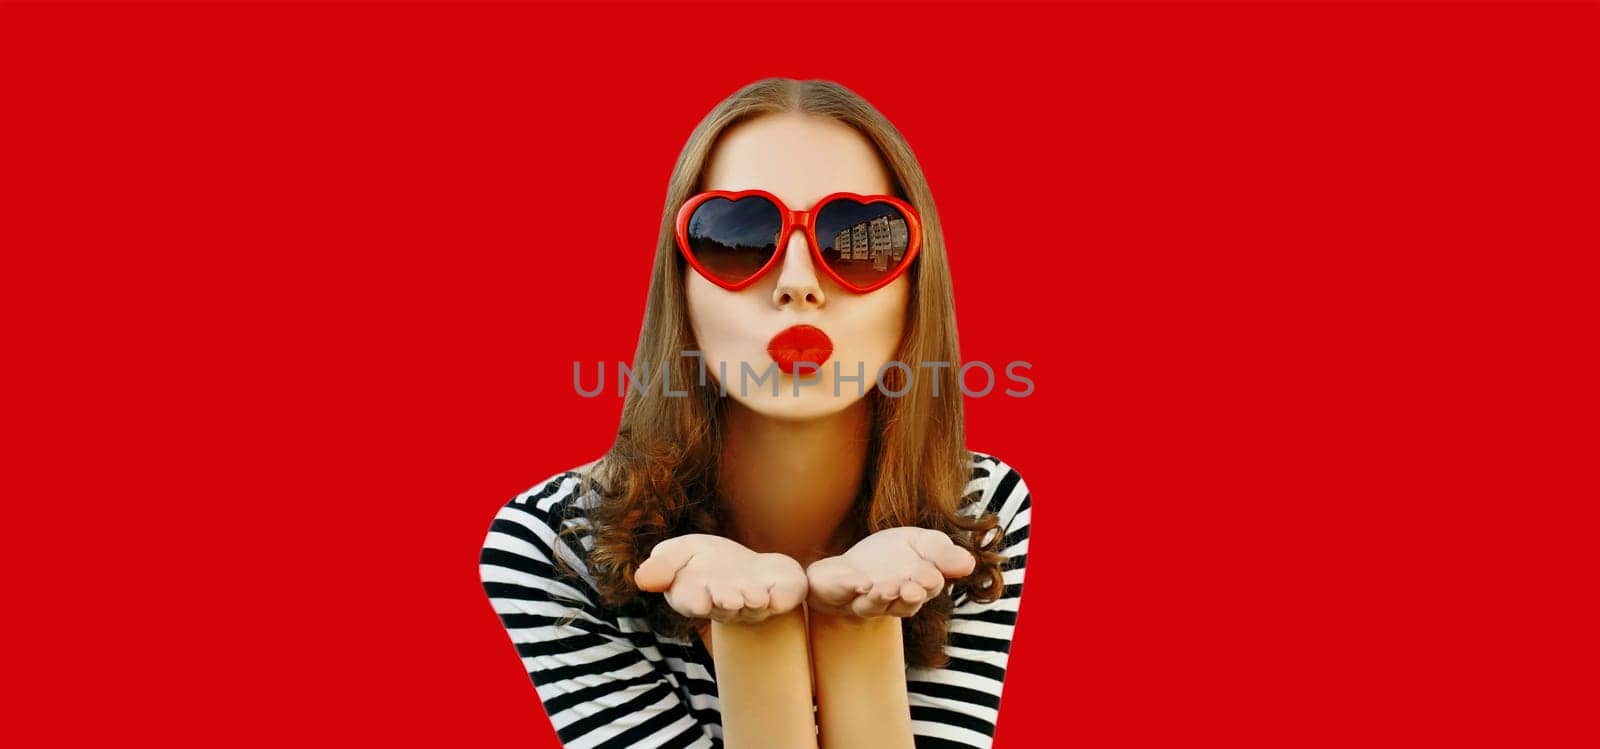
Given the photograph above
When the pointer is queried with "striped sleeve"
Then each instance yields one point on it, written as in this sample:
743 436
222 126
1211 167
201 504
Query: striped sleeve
598 688
958 705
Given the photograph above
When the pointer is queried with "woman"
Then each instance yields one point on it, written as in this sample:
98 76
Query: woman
808 557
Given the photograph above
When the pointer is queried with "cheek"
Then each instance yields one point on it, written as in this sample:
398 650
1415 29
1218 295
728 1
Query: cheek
714 314
879 320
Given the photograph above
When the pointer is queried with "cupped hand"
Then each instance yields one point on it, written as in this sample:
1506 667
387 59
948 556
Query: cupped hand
889 573
711 577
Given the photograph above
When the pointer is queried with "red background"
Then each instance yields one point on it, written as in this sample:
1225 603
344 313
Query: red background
292 296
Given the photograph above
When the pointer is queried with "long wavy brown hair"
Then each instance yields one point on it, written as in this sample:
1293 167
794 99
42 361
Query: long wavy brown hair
659 479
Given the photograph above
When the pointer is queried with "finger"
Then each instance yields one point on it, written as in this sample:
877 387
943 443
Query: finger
929 577
658 572
885 590
693 601
785 595
755 595
725 594
720 613
952 560
754 615
869 606
876 601
903 609
912 593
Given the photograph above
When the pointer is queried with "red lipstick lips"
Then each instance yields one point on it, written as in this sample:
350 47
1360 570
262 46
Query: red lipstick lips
799 343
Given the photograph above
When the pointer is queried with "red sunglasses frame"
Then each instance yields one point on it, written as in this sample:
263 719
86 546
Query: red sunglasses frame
805 220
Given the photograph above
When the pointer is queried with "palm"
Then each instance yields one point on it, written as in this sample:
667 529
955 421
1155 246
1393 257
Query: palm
889 573
711 577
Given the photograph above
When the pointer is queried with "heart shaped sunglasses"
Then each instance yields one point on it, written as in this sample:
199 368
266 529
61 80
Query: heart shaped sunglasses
862 242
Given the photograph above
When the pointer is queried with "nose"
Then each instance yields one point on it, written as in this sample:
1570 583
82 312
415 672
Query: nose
798 286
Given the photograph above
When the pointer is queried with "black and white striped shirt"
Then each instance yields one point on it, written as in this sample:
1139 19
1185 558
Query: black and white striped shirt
607 680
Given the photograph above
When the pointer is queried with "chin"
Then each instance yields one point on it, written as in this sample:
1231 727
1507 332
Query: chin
786 407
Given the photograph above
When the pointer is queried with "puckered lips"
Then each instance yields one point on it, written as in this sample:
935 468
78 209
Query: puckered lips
799 343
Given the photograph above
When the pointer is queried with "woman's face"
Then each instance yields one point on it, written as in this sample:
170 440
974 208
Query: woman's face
800 159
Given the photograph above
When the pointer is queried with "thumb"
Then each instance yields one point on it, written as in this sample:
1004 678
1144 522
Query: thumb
952 560
658 572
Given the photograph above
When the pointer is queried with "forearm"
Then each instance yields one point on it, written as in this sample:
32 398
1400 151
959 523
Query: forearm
860 672
764 683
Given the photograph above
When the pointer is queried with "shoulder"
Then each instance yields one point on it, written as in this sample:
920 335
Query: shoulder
558 502
544 530
996 487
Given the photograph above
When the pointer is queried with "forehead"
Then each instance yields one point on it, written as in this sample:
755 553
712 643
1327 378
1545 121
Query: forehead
799 158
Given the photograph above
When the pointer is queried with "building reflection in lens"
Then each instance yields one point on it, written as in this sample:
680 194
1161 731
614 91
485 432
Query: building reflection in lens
880 241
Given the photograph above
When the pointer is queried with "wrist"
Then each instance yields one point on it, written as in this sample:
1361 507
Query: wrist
850 622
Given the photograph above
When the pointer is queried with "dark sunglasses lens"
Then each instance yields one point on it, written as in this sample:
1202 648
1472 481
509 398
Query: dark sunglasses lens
862 242
733 239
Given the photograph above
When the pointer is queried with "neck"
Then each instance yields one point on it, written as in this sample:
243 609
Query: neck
789 486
